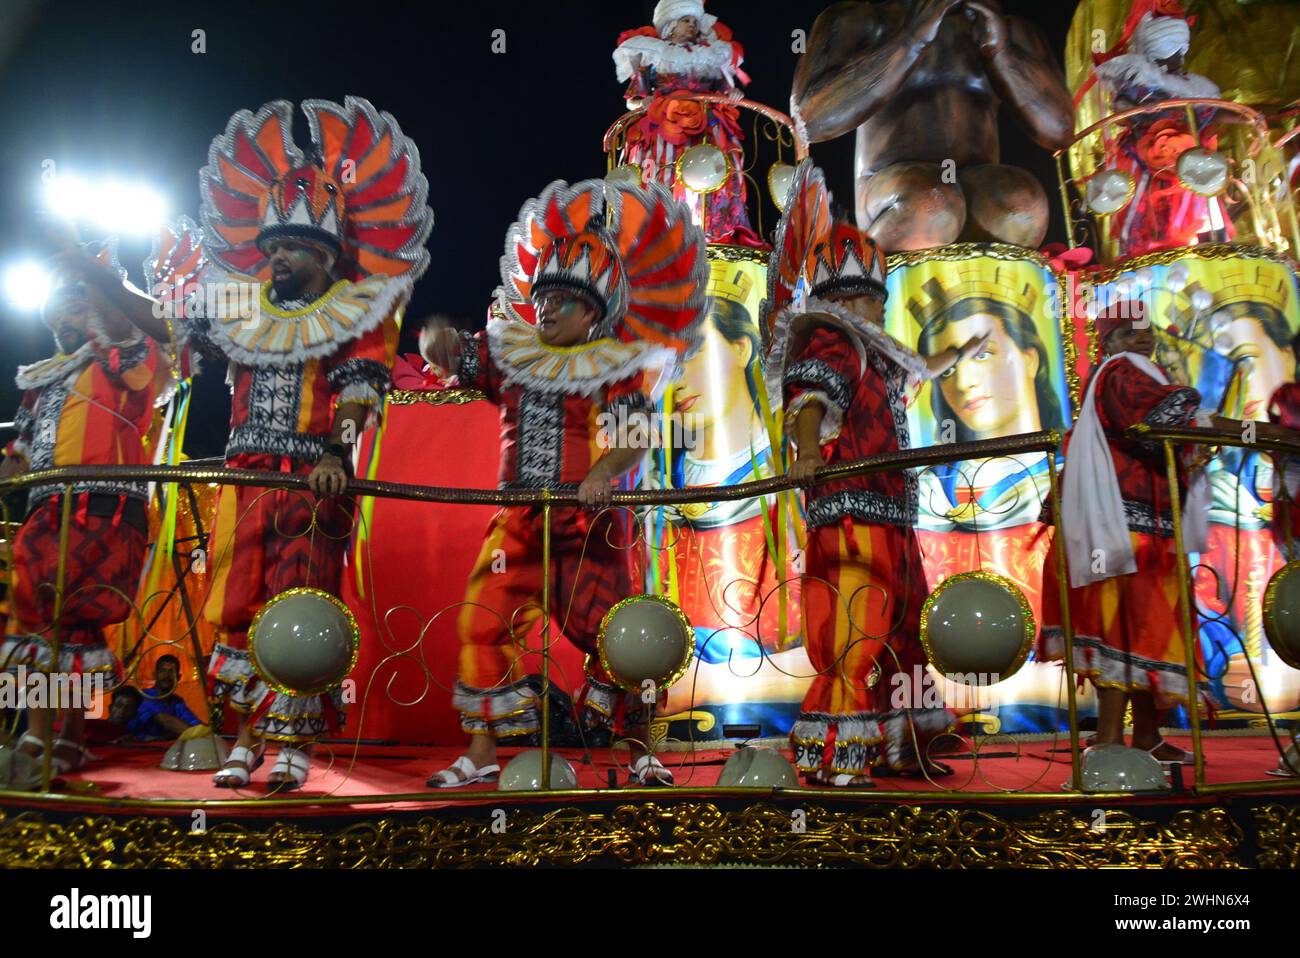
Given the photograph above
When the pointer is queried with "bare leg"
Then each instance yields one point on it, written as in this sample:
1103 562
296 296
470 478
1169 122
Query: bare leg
1146 730
1110 716
909 206
38 725
1004 204
482 750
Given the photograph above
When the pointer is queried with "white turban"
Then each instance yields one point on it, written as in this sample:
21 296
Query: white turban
668 12
1159 38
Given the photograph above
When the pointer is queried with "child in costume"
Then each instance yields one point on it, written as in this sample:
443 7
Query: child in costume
588 319
686 53
846 384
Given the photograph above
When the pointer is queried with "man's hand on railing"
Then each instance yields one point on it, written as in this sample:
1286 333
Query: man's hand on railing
804 469
12 466
329 478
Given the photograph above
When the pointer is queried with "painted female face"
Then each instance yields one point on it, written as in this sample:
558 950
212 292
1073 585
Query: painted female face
1263 364
713 380
990 392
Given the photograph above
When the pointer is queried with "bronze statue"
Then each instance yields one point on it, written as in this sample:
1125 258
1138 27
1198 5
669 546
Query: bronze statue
922 82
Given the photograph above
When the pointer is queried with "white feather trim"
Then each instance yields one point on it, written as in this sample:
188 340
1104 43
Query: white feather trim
699 60
527 362
1130 68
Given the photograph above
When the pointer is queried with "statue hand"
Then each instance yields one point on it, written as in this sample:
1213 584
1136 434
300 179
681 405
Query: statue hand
928 15
991 26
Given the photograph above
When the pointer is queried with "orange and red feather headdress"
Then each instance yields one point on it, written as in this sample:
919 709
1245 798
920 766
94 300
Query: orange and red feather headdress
634 251
361 194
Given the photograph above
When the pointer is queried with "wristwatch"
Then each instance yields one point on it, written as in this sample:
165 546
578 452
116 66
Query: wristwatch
338 451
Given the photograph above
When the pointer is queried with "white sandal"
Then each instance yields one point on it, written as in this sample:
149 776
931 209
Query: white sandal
239 767
648 770
842 780
469 774
293 762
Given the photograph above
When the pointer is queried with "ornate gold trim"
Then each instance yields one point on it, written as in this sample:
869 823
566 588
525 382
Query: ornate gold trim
677 833
1209 251
727 253
433 397
1279 835
961 251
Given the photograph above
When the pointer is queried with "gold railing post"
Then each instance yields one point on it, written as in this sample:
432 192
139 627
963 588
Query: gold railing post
546 639
1185 599
1067 627
60 584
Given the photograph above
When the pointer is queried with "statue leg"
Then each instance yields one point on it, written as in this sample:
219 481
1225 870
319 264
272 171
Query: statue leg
1004 204
909 206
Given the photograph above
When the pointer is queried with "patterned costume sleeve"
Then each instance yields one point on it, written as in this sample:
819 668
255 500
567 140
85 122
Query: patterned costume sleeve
25 424
825 372
136 363
476 369
361 372
1128 396
629 407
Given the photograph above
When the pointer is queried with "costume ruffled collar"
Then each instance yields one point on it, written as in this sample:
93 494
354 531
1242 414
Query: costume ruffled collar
710 57
40 374
863 334
276 336
527 362
1135 68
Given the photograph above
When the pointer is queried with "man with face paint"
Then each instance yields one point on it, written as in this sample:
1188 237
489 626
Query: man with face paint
1117 533
587 318
91 404
310 264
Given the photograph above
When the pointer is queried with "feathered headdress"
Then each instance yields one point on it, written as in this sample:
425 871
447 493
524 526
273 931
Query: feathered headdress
634 251
361 193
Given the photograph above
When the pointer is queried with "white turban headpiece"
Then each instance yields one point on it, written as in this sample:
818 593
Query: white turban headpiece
668 12
1159 38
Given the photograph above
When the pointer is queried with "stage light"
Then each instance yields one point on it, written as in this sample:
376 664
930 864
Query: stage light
26 286
129 208
114 206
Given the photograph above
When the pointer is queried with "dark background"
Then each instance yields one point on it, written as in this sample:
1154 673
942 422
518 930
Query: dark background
114 89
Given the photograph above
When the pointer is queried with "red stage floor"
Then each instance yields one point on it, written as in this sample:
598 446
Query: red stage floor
342 771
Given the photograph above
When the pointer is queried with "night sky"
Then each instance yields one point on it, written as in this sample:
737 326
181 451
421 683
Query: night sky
114 89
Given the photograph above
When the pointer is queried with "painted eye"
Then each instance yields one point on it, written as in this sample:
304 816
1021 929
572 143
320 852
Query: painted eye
301 183
331 188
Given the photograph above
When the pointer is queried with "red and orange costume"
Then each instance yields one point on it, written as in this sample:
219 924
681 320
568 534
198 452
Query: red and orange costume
864 583
293 363
92 407
645 270
1126 614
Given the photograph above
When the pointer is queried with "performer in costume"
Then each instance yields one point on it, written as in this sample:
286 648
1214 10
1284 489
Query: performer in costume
846 384
311 261
687 52
1164 213
589 319
1118 537
91 404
